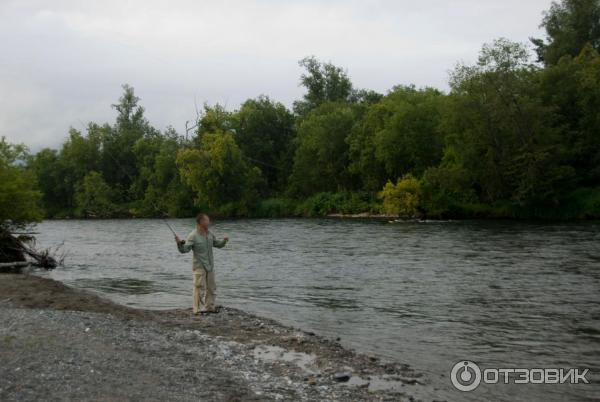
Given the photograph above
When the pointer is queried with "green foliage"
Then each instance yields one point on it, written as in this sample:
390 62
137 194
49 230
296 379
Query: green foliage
505 135
572 87
570 25
12 154
511 139
324 82
275 208
398 134
93 197
447 189
136 162
47 168
585 204
321 159
264 135
402 199
215 118
325 203
118 160
78 155
158 185
19 197
410 140
219 175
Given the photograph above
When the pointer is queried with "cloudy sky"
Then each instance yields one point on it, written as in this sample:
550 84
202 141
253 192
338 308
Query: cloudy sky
62 63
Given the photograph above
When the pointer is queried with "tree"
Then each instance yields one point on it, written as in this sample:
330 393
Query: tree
572 89
145 151
569 25
77 157
93 198
159 186
448 188
19 196
321 158
362 150
118 159
399 134
46 167
264 135
504 133
133 164
324 82
219 175
214 118
365 97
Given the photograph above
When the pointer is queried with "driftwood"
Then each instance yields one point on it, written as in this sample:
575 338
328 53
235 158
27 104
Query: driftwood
19 251
15 266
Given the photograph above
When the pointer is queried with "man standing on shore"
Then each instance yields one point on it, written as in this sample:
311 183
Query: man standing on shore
201 240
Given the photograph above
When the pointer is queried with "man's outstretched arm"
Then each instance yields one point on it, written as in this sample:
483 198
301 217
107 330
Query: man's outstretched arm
185 246
220 243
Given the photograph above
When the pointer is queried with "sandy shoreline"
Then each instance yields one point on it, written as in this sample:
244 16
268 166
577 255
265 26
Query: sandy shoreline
62 343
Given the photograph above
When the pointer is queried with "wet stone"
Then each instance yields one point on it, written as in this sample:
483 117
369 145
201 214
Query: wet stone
342 376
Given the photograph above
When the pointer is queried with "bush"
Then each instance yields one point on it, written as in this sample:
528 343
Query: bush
355 203
583 203
230 210
589 199
19 198
275 208
319 204
403 198
447 192
322 204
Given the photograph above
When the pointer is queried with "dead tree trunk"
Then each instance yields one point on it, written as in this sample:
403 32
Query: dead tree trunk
16 253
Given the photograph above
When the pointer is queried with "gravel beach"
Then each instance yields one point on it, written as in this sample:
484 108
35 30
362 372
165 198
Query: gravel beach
59 343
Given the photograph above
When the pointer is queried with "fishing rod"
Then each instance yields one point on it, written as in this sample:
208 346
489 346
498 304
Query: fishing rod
169 226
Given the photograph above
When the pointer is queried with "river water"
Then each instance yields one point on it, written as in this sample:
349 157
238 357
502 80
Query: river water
429 294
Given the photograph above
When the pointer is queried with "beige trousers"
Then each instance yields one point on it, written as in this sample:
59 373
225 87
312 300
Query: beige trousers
205 290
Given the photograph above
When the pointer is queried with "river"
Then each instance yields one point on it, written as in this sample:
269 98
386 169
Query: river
429 294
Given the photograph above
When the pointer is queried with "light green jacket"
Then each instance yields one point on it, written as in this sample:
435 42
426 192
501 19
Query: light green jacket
202 246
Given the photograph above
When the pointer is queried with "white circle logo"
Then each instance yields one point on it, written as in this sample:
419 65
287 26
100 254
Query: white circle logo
465 375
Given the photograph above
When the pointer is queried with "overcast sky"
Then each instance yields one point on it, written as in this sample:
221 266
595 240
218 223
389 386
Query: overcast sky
62 63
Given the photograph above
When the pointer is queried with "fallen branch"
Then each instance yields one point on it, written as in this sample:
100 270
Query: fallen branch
14 264
14 251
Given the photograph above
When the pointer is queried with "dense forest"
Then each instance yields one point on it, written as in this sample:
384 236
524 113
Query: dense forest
516 136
